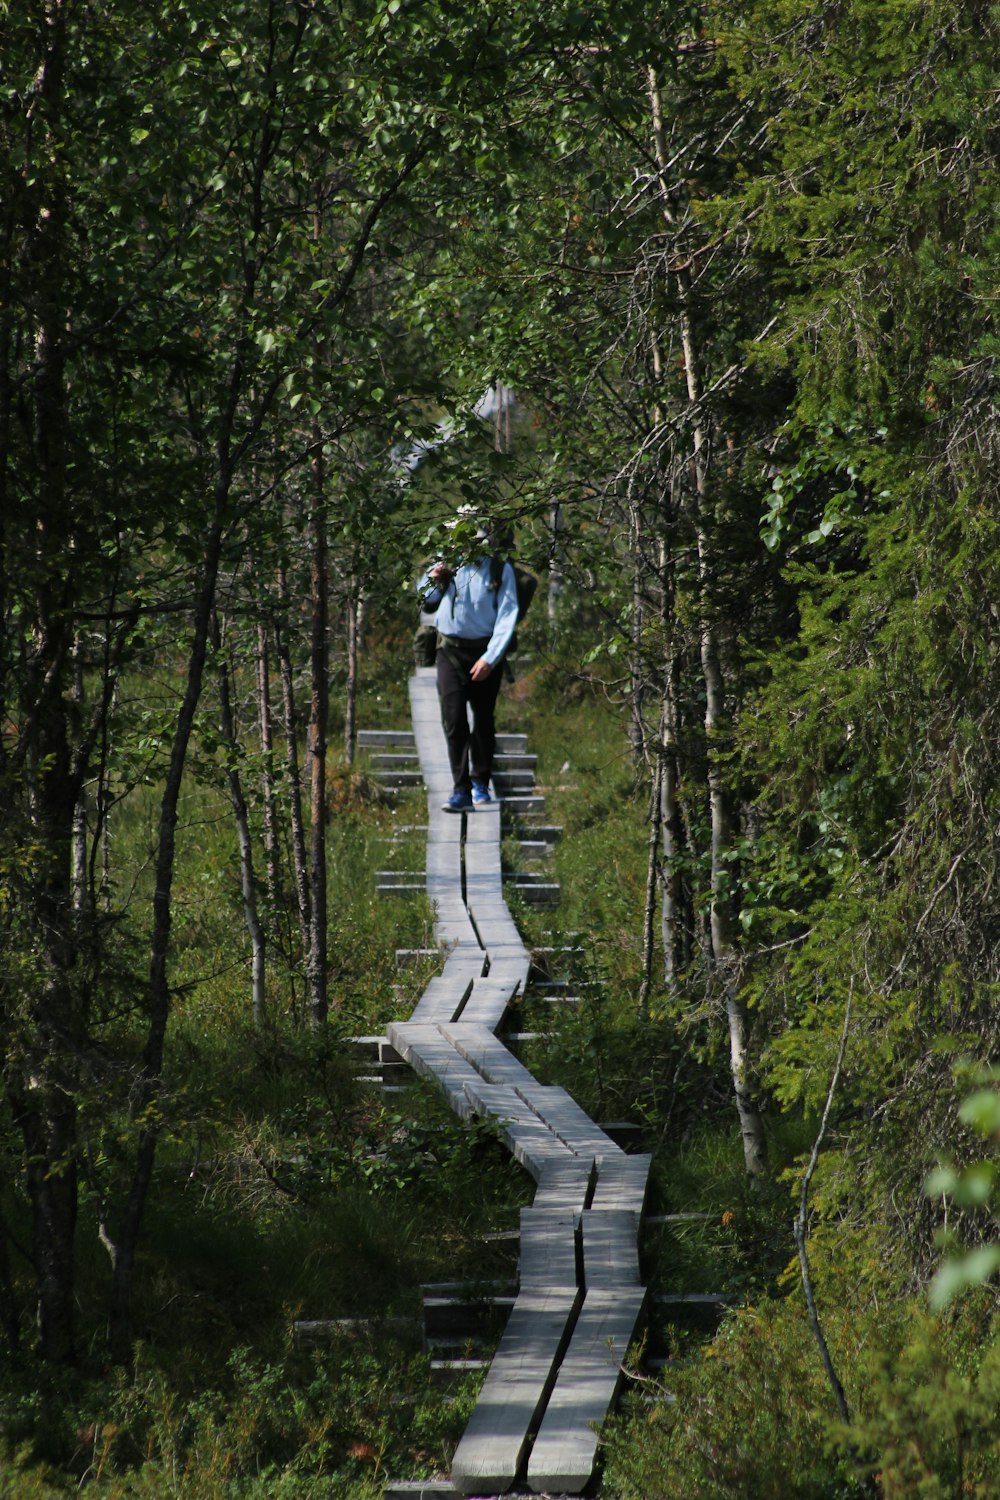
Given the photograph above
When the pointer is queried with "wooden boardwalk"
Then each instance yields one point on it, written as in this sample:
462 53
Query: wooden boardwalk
557 1370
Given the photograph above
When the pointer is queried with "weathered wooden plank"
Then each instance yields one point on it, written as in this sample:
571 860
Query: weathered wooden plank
509 962
407 956
565 1451
548 1248
483 887
370 738
452 926
522 804
496 928
621 1182
462 1317
466 959
487 1053
535 891
394 760
442 999
534 850
419 1489
610 1247
513 781
565 1185
427 1052
564 1116
398 780
514 760
490 999
493 1446
531 1142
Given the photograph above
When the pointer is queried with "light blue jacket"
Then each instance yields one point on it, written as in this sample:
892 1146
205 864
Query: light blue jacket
472 609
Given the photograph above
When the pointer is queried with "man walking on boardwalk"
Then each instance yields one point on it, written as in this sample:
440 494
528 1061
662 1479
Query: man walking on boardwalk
476 616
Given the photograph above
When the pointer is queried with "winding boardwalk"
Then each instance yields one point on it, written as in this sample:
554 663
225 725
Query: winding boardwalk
557 1369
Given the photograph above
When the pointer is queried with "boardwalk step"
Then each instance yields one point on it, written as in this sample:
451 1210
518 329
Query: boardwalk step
407 956
512 781
472 1317
654 1221
545 833
534 849
511 760
455 1369
534 888
419 1489
523 805
702 1310
369 739
543 959
324 1330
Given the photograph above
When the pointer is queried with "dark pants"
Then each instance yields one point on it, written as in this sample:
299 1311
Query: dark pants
470 753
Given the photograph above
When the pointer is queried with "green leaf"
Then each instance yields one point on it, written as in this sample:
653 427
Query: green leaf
957 1276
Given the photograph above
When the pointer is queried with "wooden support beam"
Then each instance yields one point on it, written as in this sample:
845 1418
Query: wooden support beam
369 739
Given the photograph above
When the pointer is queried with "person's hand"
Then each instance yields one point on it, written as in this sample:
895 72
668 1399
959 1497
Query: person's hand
481 670
440 574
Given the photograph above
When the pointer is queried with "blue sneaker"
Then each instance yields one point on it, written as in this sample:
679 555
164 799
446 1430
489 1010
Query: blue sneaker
458 802
481 792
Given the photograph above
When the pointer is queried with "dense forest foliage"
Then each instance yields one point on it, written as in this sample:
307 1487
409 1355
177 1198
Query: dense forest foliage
697 300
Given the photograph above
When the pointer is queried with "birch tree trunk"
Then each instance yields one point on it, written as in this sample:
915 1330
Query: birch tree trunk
556 554
248 884
724 931
300 866
675 915
269 800
652 883
317 747
353 647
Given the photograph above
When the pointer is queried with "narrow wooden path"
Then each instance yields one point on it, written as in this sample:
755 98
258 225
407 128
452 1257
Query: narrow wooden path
557 1369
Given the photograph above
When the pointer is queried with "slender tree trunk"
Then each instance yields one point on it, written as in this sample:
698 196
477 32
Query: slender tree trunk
248 884
10 1323
79 875
723 922
317 746
300 866
652 882
269 801
42 1098
158 991
637 691
47 1119
675 917
556 554
351 708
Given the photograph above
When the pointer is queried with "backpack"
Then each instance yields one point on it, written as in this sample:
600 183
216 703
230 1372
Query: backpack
526 584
